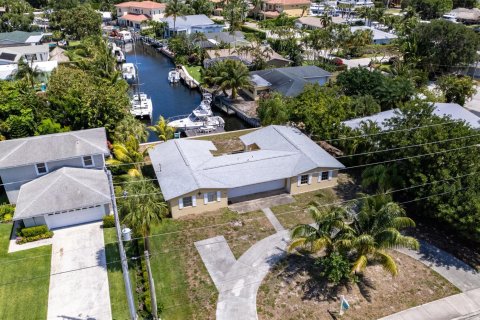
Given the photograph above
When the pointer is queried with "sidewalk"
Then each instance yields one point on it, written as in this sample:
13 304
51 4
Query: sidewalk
454 270
465 305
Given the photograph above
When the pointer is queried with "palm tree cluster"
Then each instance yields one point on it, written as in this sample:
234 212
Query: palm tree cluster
227 75
362 233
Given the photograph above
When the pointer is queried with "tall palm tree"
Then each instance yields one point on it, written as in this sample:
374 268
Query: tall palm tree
128 157
374 230
163 131
175 9
143 207
232 75
129 126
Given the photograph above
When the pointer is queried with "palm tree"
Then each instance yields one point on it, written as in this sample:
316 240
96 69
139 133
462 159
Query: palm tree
26 72
129 126
176 8
234 13
128 156
162 130
232 75
257 7
323 235
374 230
143 207
325 20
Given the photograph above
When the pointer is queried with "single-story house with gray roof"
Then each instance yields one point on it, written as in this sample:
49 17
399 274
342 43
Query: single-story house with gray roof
67 196
26 159
20 38
193 180
452 110
191 24
28 53
288 81
378 36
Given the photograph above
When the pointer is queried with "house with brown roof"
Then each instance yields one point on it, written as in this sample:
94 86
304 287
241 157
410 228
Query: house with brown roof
134 13
293 8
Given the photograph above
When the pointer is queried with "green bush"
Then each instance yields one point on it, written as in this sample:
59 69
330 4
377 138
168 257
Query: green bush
7 218
33 231
6 210
45 235
109 221
335 268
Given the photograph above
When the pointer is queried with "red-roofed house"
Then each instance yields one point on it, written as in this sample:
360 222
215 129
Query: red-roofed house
134 13
294 8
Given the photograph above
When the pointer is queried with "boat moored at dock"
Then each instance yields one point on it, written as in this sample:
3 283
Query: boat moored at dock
142 106
129 72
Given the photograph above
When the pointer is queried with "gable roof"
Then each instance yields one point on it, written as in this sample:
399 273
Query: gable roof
290 81
63 189
50 147
185 165
453 110
142 5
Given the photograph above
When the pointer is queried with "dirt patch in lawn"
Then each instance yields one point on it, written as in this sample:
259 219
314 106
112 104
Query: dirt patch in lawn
183 284
292 288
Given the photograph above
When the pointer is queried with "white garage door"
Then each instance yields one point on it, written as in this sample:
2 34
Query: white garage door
74 217
256 188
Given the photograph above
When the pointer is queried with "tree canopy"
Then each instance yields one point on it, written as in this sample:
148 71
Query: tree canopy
77 23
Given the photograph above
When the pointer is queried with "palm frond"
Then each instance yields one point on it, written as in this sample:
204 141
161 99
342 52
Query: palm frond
387 262
360 264
296 243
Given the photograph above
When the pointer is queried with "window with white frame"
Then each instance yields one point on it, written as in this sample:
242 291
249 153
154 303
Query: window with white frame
187 202
304 179
88 161
41 168
325 175
211 196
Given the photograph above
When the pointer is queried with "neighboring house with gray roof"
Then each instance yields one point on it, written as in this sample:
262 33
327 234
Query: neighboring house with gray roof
277 158
452 110
26 159
28 53
67 196
378 36
191 24
288 81
216 39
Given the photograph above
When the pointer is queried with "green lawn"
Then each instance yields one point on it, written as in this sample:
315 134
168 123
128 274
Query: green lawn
195 72
21 296
118 298
183 285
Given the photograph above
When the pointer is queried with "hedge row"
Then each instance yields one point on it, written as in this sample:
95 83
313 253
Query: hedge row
32 231
109 221
45 235
260 34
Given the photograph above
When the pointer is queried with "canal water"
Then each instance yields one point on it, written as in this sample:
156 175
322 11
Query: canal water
168 100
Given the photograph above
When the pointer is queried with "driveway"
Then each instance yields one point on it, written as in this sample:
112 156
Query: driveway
78 281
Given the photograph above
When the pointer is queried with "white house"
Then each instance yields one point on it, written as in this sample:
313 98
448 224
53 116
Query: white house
38 53
277 159
354 4
134 13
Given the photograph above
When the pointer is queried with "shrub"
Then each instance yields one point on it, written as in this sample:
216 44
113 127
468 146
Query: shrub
109 221
335 268
45 235
6 209
260 34
33 231
7 218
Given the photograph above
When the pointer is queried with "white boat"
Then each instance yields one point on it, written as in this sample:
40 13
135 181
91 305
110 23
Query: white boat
201 118
129 72
126 35
173 76
142 106
118 54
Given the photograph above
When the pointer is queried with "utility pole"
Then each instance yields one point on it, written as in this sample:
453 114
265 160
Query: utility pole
153 296
121 249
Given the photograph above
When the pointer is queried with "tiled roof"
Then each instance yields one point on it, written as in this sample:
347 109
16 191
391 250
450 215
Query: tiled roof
142 4
134 17
288 2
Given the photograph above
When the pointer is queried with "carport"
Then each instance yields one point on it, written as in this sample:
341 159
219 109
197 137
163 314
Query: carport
68 196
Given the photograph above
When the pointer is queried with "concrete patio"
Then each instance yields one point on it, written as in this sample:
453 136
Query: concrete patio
260 201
